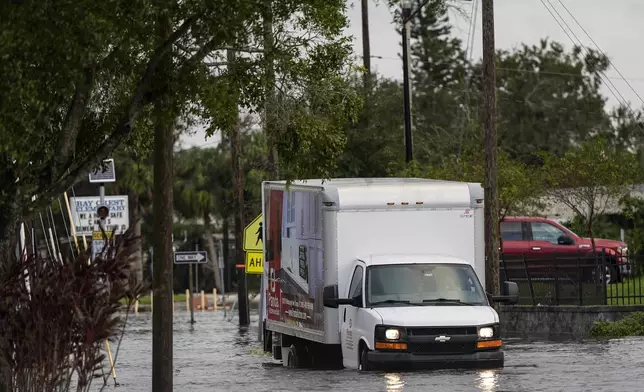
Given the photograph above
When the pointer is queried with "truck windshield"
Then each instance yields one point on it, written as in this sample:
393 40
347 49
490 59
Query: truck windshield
423 284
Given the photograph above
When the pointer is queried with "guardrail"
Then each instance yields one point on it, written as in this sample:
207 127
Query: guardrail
576 279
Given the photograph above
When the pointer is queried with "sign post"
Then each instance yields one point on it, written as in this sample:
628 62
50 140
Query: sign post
254 248
190 258
103 174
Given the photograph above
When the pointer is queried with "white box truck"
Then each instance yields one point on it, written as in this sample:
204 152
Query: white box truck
378 273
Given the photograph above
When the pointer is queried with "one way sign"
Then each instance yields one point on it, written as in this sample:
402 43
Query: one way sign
196 257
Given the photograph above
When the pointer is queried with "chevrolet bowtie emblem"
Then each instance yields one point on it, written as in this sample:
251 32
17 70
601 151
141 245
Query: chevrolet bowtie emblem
442 338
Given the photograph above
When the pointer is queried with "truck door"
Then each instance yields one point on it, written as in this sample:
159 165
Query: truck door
348 319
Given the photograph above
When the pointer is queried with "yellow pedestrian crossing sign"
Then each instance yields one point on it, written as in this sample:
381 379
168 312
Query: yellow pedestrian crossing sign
254 263
254 235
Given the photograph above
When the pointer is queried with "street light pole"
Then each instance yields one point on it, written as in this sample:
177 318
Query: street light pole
406 33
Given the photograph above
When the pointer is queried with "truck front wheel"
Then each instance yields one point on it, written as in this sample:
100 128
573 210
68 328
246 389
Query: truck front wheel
364 365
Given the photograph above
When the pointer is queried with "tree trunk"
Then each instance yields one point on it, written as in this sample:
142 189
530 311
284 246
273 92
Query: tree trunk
491 212
162 315
366 46
210 243
225 254
269 107
136 263
9 229
9 226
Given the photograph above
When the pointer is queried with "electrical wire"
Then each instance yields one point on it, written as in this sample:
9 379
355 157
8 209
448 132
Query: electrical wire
603 76
577 41
600 50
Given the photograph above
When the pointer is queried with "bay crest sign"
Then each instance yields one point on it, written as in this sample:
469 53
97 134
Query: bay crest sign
86 219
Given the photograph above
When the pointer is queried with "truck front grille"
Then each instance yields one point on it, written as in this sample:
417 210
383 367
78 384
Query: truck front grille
442 348
437 331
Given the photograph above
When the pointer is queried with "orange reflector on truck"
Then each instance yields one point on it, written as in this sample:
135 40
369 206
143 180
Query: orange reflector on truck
405 203
419 202
489 344
391 346
390 204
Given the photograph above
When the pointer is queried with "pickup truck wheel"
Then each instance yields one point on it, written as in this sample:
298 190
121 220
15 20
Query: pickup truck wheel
364 365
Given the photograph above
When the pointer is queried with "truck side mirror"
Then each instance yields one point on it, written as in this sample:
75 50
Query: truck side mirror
330 298
511 294
565 240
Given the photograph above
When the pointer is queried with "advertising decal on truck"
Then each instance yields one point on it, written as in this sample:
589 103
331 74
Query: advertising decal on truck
294 259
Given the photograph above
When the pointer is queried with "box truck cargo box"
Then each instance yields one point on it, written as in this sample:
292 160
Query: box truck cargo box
370 273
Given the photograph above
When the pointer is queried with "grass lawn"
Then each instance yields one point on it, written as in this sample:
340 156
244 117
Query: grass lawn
629 292
147 300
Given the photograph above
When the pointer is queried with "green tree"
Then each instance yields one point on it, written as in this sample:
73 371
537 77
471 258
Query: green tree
439 80
68 66
374 146
520 185
196 191
590 178
549 99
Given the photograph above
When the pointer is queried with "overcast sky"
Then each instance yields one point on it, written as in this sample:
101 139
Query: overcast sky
616 26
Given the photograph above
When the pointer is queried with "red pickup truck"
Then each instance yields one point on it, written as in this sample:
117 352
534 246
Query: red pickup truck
541 237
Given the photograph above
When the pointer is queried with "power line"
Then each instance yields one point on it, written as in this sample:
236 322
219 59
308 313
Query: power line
577 41
599 49
625 103
569 74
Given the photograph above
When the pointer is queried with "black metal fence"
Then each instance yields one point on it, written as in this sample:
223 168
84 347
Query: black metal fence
576 279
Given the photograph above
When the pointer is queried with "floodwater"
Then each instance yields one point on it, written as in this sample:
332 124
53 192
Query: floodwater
215 355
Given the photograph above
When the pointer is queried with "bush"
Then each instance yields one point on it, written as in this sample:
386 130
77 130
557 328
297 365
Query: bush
55 317
631 325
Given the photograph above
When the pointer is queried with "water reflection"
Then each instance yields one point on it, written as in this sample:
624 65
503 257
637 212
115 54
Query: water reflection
394 382
243 338
487 380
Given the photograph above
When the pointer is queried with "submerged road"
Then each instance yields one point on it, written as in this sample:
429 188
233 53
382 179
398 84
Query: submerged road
215 355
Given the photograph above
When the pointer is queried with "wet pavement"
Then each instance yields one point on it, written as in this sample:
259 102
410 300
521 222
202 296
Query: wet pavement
214 355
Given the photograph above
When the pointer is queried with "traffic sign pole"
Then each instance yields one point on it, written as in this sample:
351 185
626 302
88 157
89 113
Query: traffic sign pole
254 247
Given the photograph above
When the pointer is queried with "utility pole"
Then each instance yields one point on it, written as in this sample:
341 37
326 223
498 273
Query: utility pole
491 209
406 35
269 107
238 197
162 370
366 44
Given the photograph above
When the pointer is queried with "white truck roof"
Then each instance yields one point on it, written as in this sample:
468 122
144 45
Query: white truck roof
368 193
392 259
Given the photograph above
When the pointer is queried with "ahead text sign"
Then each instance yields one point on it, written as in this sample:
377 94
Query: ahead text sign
254 263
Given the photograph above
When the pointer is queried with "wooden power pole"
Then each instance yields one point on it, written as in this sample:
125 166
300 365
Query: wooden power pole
491 212
162 371
238 197
366 45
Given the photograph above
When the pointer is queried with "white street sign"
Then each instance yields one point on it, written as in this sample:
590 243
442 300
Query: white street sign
196 257
85 217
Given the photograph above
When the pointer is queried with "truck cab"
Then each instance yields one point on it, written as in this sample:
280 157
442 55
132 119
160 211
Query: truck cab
416 311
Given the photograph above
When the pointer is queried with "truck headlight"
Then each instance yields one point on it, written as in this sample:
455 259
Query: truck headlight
392 334
486 333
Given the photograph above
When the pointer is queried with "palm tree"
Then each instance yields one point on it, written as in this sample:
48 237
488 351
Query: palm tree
135 178
202 185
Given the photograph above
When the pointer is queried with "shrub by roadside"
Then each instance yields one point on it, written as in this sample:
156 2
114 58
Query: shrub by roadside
631 325
55 317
